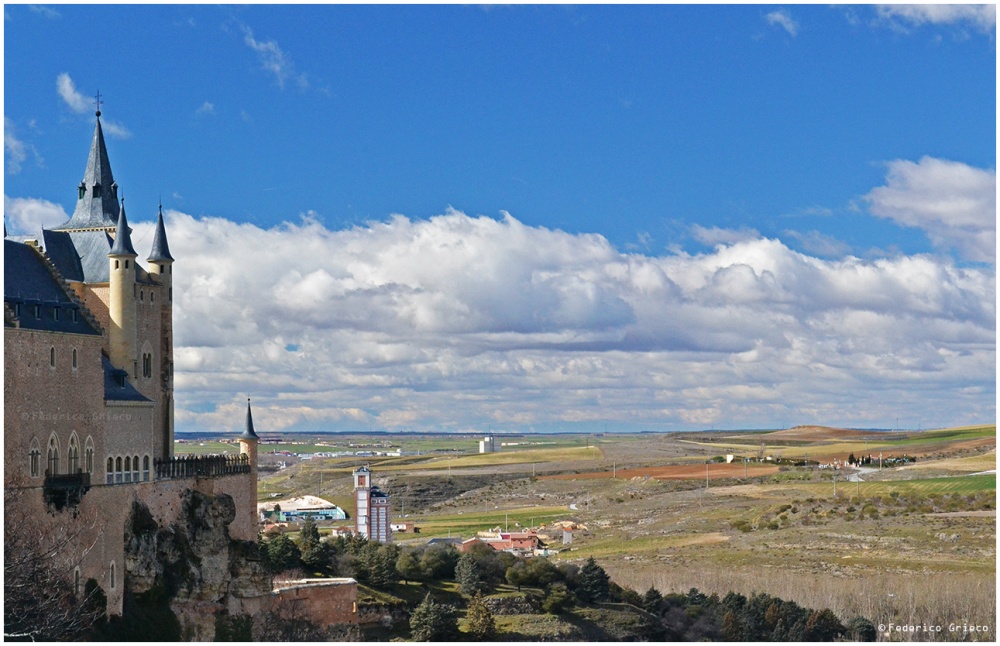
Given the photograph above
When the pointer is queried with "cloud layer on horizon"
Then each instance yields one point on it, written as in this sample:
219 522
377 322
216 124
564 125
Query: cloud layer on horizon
469 323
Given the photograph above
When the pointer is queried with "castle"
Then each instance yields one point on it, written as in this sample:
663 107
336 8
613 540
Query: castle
89 397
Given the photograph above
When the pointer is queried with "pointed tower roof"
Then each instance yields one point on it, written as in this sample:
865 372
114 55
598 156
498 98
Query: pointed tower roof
160 251
97 200
123 237
248 432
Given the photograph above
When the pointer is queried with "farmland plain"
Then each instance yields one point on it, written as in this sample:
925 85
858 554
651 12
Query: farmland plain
907 544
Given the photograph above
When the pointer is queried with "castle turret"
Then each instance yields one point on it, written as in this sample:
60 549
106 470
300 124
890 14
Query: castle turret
249 440
122 307
160 261
161 268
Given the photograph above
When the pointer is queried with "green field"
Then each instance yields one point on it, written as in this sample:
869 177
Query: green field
467 524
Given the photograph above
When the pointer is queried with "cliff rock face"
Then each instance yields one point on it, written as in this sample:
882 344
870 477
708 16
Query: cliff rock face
192 562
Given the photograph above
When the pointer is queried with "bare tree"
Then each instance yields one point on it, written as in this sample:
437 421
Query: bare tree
44 600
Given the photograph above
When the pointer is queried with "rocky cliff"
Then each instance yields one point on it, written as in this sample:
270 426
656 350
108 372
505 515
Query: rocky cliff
192 562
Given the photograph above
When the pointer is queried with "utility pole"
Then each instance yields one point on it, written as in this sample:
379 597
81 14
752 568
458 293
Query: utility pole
614 470
706 476
745 461
834 485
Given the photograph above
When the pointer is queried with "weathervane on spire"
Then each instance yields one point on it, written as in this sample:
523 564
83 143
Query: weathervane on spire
98 102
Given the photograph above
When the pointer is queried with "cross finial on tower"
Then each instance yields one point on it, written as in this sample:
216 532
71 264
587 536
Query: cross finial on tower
98 102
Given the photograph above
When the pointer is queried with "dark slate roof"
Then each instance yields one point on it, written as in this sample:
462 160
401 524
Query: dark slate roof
248 432
445 541
62 252
76 251
117 386
37 299
96 210
160 251
123 237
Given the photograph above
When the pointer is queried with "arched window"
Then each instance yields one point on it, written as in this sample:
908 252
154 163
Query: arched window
118 470
88 460
73 455
135 468
128 469
53 468
111 471
114 579
145 468
76 582
35 458
52 357
152 296
74 359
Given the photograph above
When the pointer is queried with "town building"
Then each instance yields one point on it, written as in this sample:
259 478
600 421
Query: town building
487 445
372 509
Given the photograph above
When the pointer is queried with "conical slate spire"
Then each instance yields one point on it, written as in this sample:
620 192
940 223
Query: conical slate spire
248 432
97 194
123 237
160 251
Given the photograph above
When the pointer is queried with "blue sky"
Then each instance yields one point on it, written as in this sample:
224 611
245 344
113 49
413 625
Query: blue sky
627 201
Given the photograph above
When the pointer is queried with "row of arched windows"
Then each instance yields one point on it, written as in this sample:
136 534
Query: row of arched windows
123 470
53 464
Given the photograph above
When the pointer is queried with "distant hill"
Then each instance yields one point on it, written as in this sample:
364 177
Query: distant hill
816 433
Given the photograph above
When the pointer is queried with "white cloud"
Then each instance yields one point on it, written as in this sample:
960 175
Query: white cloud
81 104
115 129
43 10
820 244
69 94
15 151
27 216
206 108
274 59
462 322
953 202
783 19
983 17
715 236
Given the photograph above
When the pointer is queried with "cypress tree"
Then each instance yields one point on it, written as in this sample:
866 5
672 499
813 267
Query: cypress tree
593 584
480 620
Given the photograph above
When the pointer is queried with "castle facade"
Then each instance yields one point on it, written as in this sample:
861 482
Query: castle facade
89 388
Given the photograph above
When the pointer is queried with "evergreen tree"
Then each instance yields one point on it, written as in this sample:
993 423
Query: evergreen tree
433 622
861 630
558 599
282 553
593 583
408 566
438 562
480 620
308 535
651 600
823 626
315 555
470 576
543 572
519 575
